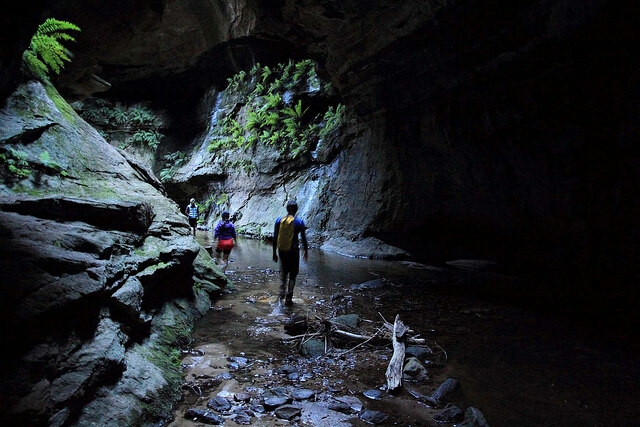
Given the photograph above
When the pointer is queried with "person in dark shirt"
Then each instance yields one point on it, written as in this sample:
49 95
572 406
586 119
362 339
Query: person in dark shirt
225 233
192 212
286 242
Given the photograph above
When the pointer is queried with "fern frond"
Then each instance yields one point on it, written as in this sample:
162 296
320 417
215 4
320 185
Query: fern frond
52 25
46 49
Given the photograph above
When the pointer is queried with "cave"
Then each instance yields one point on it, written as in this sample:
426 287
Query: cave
492 131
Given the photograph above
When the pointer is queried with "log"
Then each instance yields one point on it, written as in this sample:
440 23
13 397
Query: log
394 370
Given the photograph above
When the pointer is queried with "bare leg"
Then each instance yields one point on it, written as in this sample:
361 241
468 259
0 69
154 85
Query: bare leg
225 262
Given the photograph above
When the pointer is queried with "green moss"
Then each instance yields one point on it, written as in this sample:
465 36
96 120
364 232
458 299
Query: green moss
30 191
159 266
63 106
101 192
164 353
167 359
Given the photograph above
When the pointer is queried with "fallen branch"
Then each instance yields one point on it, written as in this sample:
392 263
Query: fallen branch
362 343
351 335
297 337
443 350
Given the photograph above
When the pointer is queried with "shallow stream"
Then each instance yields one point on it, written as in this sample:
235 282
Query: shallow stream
516 367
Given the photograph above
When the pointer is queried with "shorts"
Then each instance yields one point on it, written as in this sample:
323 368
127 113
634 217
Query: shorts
290 262
193 222
225 246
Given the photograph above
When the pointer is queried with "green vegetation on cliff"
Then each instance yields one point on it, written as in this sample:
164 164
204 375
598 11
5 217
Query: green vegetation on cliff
272 113
125 125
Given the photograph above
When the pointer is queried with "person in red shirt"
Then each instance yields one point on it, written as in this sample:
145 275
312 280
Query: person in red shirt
225 233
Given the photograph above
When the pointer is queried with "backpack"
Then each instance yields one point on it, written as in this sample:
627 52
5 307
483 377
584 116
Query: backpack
285 233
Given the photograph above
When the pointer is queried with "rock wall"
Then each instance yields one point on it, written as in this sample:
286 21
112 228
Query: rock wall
101 278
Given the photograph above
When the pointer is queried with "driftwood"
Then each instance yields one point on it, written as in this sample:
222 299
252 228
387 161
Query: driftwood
394 370
388 328
410 340
381 336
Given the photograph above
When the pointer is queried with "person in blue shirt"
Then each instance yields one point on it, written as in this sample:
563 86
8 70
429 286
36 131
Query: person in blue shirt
192 213
286 242
225 233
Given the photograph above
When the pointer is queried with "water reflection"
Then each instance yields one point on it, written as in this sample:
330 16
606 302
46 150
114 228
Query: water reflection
323 269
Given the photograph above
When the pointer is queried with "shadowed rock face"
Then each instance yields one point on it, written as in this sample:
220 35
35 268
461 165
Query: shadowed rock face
498 130
98 274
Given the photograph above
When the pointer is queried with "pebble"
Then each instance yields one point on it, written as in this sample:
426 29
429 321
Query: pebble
302 393
203 416
374 394
219 404
373 417
273 402
288 412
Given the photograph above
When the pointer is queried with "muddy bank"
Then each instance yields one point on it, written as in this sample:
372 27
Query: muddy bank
513 366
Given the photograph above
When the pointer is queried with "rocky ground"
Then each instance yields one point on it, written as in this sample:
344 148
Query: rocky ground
498 364
255 362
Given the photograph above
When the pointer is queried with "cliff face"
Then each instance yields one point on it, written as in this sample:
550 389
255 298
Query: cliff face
495 130
101 278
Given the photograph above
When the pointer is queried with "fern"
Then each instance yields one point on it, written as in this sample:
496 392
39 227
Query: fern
141 115
266 72
46 52
259 90
297 112
286 71
273 100
276 85
119 115
333 119
253 119
255 69
150 138
302 68
172 162
271 120
272 117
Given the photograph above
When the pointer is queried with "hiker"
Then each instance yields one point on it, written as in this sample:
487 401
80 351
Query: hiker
225 232
285 240
192 212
